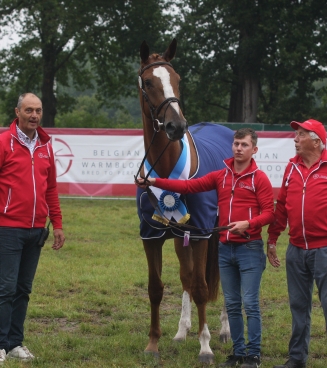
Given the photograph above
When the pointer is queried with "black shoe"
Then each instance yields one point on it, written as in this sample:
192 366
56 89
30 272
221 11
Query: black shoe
291 363
251 361
232 361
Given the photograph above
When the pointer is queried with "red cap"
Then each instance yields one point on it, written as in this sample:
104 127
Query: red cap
313 126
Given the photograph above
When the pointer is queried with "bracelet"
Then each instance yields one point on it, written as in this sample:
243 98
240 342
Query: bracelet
271 246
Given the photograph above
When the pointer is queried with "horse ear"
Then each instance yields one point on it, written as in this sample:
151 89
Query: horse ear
144 51
169 54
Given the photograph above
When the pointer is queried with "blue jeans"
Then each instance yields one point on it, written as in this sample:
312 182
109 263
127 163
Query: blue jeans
241 267
303 267
19 256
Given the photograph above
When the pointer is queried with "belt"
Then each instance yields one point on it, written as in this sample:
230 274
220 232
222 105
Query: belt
234 243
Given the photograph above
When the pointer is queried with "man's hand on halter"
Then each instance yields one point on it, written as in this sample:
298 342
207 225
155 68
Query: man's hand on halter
238 227
142 183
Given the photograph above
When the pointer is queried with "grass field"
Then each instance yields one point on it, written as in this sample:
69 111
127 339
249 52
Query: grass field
89 306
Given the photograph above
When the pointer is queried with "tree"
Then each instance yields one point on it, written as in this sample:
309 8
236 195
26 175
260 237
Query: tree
251 60
59 39
296 60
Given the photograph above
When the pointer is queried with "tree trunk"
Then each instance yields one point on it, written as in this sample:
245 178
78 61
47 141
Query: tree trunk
250 99
49 102
236 100
48 98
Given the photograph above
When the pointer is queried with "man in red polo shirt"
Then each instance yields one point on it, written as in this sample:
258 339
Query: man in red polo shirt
302 202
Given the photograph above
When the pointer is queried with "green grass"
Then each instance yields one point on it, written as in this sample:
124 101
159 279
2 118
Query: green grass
90 308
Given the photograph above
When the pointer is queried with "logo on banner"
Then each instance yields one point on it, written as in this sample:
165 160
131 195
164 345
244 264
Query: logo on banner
63 157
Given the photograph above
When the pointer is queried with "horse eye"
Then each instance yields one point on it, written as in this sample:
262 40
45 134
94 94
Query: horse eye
147 83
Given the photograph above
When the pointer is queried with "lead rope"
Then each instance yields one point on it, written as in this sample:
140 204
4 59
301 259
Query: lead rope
155 131
145 155
144 158
176 225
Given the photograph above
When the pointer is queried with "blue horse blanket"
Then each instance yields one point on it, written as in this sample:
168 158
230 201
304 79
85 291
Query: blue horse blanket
213 143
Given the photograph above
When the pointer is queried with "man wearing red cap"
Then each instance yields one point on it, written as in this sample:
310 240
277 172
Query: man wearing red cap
302 203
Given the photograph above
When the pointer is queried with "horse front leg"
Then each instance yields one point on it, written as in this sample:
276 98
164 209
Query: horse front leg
200 297
185 257
153 251
224 334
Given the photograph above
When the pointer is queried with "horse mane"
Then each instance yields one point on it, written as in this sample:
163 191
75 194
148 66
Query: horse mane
154 58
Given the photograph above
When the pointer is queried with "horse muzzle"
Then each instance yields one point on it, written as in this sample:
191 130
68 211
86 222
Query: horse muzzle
175 131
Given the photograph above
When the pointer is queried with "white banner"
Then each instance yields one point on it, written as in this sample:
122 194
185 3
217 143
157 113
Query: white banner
97 159
272 157
98 162
104 164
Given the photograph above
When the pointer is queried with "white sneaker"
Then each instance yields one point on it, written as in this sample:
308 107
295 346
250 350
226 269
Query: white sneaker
2 355
21 353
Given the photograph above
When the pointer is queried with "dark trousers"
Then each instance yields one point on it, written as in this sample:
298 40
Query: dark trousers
19 256
303 267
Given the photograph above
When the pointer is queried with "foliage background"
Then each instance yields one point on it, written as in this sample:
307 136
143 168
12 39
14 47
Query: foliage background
239 61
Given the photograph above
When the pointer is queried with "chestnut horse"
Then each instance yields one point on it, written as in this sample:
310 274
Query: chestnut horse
176 151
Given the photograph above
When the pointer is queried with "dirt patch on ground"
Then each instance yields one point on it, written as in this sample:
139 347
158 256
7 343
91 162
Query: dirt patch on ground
64 324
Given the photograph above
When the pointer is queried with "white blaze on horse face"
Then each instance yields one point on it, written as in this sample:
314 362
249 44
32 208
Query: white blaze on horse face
163 74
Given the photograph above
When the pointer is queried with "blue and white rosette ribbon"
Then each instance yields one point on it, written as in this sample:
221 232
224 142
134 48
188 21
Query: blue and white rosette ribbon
171 206
169 203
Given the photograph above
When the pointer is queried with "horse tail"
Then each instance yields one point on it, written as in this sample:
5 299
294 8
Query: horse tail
212 268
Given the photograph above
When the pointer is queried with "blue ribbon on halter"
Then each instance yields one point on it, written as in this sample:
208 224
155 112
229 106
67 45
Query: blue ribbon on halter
169 202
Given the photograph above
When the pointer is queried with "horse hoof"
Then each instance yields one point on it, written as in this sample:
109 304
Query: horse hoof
207 359
224 338
155 354
178 339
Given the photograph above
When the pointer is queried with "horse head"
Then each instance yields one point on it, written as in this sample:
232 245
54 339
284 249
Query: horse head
159 87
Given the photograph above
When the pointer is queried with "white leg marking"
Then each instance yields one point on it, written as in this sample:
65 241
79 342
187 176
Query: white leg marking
225 330
163 74
184 324
204 341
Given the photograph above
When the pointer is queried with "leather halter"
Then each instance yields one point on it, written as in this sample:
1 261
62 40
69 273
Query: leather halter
154 64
